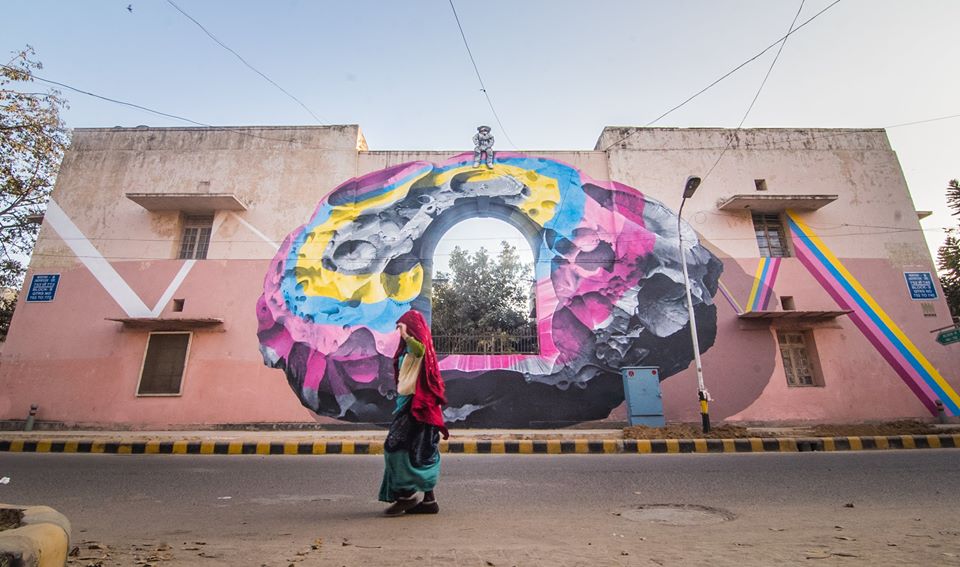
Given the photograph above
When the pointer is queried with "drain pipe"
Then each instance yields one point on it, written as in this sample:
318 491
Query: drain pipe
33 413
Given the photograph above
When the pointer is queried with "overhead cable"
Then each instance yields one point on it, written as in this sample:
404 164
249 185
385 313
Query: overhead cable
245 62
757 95
731 72
479 78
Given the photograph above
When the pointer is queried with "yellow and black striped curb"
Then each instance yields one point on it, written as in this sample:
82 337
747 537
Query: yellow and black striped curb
484 447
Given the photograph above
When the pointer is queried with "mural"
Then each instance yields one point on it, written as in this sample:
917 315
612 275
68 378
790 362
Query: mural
609 291
890 341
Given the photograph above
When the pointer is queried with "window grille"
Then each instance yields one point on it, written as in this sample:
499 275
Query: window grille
196 237
796 358
163 364
771 237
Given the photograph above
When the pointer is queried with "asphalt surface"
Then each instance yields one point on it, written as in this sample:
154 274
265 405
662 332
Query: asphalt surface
883 507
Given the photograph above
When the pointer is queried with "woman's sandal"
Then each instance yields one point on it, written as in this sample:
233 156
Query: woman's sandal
425 507
402 504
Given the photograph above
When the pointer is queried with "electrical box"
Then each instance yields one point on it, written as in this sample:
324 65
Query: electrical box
641 389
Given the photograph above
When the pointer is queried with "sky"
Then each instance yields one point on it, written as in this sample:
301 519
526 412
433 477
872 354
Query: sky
556 71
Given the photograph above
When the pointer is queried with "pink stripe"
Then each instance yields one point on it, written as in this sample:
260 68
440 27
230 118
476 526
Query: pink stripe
867 327
768 284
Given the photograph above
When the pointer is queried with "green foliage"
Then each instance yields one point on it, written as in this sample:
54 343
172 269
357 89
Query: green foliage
483 295
948 256
32 141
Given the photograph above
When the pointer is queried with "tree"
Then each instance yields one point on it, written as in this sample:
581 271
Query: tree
484 297
948 256
32 141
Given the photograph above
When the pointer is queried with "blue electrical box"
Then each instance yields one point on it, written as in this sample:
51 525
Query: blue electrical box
641 388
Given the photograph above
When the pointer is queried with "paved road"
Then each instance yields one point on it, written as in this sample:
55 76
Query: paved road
865 508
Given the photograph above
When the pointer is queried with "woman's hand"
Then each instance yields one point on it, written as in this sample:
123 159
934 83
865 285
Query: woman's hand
403 330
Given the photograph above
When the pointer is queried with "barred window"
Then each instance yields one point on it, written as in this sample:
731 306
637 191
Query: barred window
163 364
797 360
195 239
771 237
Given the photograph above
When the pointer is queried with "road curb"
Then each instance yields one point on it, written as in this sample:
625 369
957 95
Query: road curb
41 540
495 446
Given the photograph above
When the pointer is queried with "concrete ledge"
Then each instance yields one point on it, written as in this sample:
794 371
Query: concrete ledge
492 446
42 540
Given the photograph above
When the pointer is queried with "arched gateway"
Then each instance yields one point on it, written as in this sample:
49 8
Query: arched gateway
609 291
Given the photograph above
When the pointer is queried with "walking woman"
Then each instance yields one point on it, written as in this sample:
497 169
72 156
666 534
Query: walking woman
412 451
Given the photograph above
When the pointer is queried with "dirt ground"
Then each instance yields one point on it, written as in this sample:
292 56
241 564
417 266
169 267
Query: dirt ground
726 431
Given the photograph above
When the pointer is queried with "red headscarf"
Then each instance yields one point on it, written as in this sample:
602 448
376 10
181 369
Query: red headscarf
425 406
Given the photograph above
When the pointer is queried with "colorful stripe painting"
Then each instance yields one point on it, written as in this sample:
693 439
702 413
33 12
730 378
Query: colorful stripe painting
889 340
763 284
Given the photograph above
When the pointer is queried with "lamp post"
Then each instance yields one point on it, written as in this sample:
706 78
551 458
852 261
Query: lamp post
688 189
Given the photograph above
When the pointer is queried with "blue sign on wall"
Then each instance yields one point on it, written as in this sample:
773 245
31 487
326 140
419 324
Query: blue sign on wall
43 287
921 285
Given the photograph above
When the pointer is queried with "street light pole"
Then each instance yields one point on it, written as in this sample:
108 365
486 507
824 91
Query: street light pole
689 188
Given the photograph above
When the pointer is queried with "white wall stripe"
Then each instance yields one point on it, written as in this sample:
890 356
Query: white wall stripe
172 288
111 281
254 230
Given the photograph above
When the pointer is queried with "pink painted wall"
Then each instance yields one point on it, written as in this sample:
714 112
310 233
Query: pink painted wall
81 368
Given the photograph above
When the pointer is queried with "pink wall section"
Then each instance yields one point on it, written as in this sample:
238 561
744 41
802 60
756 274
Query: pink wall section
91 376
83 369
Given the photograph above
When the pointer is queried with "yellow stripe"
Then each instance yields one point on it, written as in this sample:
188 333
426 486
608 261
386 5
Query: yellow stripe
206 447
933 441
526 447
756 283
376 448
43 446
609 446
581 446
729 446
908 442
673 446
700 445
881 442
876 308
16 446
290 448
71 447
828 444
553 446
730 297
470 447
788 444
643 446
756 445
956 440
97 447
498 447
349 448
179 447
855 443
124 449
263 448
235 448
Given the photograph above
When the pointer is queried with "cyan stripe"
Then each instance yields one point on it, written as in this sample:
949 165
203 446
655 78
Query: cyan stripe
875 318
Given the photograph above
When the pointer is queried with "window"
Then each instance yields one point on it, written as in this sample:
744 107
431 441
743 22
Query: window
760 184
788 303
770 235
196 237
798 361
163 364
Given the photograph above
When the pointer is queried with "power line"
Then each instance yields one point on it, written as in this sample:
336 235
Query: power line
244 61
233 129
479 78
732 71
757 95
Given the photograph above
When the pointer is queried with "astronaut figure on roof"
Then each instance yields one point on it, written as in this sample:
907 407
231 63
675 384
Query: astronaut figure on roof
483 146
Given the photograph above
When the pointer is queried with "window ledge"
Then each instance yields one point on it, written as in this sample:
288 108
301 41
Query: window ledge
190 202
167 323
805 316
775 203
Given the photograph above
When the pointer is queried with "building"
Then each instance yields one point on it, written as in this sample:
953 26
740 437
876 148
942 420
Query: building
193 277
